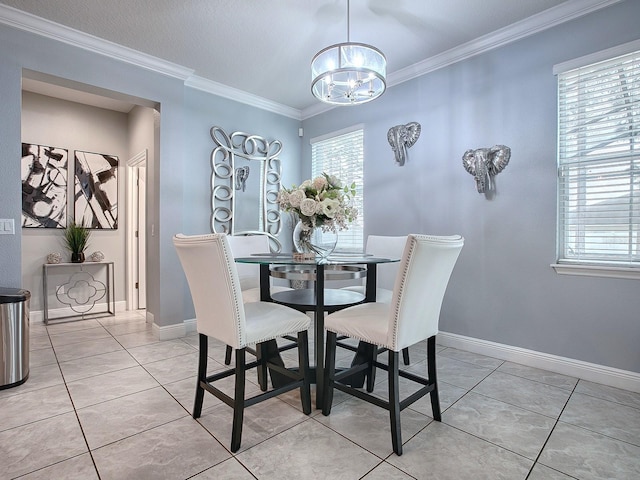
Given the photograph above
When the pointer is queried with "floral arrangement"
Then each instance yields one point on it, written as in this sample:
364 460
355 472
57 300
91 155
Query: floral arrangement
322 202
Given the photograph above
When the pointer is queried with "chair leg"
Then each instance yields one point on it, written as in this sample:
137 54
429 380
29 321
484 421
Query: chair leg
238 401
303 366
394 402
433 378
262 356
372 355
405 355
329 372
227 355
202 375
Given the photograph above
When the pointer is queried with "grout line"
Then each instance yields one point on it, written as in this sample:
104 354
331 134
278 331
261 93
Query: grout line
382 461
75 410
535 461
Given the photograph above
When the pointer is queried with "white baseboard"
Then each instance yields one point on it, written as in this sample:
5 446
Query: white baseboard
592 372
178 330
190 326
37 316
169 332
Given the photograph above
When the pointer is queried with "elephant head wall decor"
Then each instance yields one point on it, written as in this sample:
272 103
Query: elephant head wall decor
402 137
485 163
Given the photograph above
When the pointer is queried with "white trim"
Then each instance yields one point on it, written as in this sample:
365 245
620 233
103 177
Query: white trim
318 108
168 332
178 330
592 372
131 257
37 316
240 96
544 20
190 326
337 133
137 159
40 26
549 18
596 271
552 17
602 55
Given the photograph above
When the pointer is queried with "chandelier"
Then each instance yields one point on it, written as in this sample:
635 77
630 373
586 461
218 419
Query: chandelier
348 73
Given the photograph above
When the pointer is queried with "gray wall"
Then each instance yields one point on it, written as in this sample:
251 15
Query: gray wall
178 175
502 289
205 111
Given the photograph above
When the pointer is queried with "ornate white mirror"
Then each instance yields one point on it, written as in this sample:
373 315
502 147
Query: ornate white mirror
245 180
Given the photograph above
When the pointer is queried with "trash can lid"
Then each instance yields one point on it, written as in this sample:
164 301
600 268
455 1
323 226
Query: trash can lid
13 295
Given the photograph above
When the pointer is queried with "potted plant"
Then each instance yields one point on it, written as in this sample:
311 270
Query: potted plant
75 239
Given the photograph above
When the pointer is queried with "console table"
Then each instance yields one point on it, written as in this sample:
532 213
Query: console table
82 290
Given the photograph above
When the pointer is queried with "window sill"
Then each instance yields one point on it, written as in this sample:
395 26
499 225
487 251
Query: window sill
596 271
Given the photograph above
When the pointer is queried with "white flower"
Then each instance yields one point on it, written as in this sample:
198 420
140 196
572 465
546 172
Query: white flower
283 198
296 197
335 181
330 207
319 183
308 207
320 203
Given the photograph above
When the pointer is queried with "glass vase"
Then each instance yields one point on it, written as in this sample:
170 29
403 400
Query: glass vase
311 243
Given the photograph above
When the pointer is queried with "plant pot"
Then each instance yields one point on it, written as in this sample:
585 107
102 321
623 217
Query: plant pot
77 257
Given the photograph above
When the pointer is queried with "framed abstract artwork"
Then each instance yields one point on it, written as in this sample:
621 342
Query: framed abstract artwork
96 190
44 186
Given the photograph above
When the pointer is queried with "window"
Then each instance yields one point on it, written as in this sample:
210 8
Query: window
599 162
342 154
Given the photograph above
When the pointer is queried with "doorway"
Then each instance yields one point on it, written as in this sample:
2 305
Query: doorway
136 231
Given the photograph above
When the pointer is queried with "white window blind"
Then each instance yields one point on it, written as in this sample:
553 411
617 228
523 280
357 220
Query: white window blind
599 163
342 155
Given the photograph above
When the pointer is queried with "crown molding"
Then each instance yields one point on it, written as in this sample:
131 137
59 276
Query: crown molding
209 86
318 108
552 17
564 12
30 23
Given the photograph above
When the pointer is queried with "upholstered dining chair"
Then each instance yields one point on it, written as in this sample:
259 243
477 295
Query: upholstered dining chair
411 317
385 247
245 246
221 314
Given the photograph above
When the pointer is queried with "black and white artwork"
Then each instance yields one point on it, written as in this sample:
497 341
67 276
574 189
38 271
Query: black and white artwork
44 186
96 190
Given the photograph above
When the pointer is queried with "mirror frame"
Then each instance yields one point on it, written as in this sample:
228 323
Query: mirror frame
256 149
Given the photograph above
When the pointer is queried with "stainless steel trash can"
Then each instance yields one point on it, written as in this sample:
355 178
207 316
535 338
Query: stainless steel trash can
14 337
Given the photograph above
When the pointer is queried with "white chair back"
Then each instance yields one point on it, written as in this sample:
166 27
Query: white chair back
424 272
386 247
245 246
215 286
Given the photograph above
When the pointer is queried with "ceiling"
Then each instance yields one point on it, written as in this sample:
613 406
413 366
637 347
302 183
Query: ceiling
264 47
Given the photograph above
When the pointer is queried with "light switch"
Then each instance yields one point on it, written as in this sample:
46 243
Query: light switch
7 226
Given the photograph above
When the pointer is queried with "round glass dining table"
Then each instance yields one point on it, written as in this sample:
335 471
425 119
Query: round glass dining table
317 299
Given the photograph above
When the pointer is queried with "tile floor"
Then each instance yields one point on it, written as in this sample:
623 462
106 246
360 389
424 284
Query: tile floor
106 400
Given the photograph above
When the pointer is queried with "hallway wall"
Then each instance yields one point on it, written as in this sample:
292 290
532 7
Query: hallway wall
73 126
